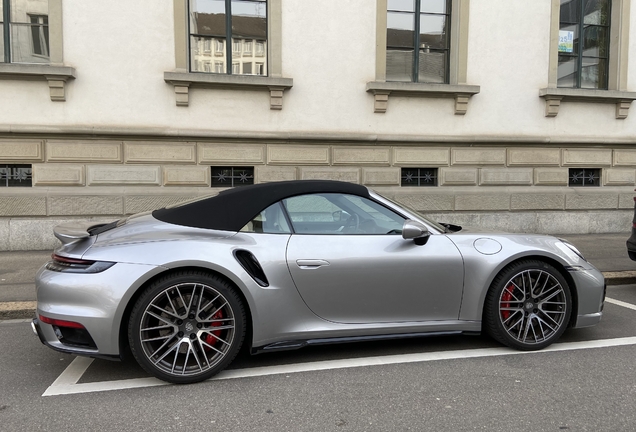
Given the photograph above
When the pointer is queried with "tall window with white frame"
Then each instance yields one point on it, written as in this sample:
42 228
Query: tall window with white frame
584 44
24 31
418 38
232 27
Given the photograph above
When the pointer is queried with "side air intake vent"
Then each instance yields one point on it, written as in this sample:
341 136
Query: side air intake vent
251 266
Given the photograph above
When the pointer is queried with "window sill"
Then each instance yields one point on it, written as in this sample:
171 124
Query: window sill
554 96
182 81
56 76
460 92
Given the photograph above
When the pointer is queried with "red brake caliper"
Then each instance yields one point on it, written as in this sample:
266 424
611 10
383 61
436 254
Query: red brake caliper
211 338
505 298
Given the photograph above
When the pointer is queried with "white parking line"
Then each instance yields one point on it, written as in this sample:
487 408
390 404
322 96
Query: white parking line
67 386
620 303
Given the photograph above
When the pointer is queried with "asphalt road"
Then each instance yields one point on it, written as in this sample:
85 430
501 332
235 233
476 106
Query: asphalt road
477 386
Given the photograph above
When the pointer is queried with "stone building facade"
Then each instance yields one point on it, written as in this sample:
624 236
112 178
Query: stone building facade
128 126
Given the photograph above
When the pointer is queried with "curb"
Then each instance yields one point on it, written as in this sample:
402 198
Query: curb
21 310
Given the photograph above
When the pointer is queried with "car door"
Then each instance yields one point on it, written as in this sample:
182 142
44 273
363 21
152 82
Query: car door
360 270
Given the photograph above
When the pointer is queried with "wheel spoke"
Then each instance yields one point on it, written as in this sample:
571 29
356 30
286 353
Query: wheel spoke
156 328
176 345
215 311
165 311
157 338
159 317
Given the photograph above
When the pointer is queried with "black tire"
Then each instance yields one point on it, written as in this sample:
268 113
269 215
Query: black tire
187 327
528 306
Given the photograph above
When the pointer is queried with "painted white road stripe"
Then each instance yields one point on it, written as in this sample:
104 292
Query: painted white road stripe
71 374
66 387
620 303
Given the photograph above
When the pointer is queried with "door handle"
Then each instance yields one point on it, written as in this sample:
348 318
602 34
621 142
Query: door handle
311 263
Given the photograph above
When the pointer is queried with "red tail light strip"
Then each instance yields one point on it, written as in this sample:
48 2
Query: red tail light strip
71 260
61 323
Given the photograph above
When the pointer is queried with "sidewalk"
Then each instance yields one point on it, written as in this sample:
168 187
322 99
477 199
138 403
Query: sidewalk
17 270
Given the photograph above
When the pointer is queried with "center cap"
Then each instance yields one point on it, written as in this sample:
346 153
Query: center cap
529 305
188 326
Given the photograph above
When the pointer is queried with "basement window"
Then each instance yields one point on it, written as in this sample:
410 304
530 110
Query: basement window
15 175
419 177
584 177
232 176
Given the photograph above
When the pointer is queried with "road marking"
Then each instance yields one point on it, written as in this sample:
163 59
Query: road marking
620 303
68 386
15 321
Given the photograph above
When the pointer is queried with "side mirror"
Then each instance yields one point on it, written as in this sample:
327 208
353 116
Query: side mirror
416 231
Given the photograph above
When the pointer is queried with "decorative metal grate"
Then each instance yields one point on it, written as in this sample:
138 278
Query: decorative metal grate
15 175
419 177
232 176
584 177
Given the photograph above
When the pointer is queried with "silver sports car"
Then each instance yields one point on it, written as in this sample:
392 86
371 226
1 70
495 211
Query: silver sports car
280 266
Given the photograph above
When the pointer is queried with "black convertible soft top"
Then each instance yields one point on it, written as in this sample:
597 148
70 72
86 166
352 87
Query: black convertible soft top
232 209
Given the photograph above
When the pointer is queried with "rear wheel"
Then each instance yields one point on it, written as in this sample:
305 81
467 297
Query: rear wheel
187 327
528 306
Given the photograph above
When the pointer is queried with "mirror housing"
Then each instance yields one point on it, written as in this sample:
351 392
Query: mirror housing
416 231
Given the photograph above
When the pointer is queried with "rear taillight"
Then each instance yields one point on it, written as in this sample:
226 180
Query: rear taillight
74 265
60 323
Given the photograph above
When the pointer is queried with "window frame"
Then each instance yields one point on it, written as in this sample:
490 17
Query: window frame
182 80
55 73
618 62
456 88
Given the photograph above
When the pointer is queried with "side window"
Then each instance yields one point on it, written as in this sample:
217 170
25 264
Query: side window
341 214
270 221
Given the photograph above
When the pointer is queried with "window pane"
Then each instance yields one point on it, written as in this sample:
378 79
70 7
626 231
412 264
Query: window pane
433 6
21 9
23 44
270 221
401 5
568 68
399 65
596 41
570 12
569 32
249 19
400 30
596 12
432 67
204 50
207 17
594 73
432 31
247 68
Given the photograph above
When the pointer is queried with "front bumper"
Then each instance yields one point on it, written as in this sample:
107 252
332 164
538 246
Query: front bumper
590 293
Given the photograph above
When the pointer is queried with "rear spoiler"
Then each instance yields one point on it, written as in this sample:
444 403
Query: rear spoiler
71 232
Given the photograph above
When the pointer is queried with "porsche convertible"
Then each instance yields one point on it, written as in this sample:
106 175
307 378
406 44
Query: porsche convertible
279 266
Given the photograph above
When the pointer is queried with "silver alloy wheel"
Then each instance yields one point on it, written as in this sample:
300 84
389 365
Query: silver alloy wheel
187 329
532 306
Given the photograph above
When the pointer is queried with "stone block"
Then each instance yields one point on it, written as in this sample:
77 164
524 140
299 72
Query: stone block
587 157
422 157
478 156
551 176
4 234
23 205
517 222
58 175
85 205
426 202
298 155
266 173
361 156
351 175
624 157
505 176
84 151
36 234
186 175
381 176
143 203
537 201
618 177
231 154
457 176
563 222
123 174
21 150
477 201
461 219
614 221
159 152
590 201
533 156
626 200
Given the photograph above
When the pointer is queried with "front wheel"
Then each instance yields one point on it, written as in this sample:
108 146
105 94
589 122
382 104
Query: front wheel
528 306
186 327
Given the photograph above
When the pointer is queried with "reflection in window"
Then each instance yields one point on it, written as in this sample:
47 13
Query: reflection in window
233 26
418 33
24 38
584 42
